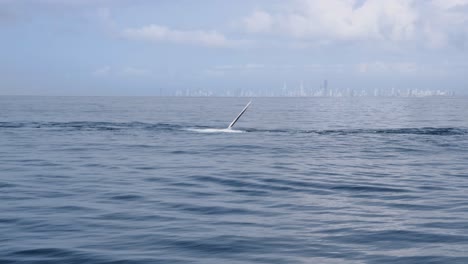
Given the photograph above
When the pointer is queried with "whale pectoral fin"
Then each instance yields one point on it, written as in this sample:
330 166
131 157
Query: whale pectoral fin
239 115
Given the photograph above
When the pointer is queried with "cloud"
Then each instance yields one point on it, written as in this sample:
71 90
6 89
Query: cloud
127 71
259 21
103 71
238 69
449 4
248 66
72 3
377 67
6 13
256 68
131 71
104 17
409 68
157 33
387 67
435 23
342 20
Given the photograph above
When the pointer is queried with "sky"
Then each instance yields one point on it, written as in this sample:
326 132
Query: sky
143 47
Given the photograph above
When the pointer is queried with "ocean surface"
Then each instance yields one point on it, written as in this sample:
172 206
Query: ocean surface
299 180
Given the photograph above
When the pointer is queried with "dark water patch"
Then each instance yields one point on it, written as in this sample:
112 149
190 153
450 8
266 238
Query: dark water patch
44 163
46 252
413 206
253 130
229 244
72 208
117 217
186 184
250 192
139 146
315 187
427 259
432 131
184 152
7 185
388 196
433 188
154 179
150 218
95 260
110 126
238 148
399 238
212 210
250 184
367 188
89 126
29 160
247 249
200 194
331 188
453 225
285 167
332 231
230 182
145 168
127 197
55 255
95 165
8 220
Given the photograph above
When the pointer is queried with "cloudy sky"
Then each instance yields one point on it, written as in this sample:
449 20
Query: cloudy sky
140 47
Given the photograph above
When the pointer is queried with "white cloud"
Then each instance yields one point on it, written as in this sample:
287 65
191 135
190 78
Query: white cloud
389 22
255 68
72 3
102 71
387 67
223 70
243 67
104 17
342 20
259 21
127 71
449 4
159 33
446 23
135 71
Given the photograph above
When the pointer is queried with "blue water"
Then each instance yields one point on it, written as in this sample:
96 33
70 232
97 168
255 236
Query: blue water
306 180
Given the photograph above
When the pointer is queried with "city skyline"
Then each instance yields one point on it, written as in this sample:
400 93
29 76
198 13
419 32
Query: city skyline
301 90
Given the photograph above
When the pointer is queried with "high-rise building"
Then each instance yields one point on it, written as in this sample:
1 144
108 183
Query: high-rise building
326 92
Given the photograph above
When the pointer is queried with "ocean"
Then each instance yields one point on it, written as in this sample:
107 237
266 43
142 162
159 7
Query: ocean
304 180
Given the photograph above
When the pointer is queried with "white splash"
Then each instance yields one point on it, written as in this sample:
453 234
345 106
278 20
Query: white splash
215 130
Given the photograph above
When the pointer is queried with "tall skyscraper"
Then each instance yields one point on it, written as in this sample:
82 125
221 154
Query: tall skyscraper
325 88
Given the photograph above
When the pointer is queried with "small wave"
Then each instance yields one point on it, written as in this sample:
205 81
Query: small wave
112 126
109 126
91 126
367 188
6 185
390 236
426 131
442 131
127 197
47 252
